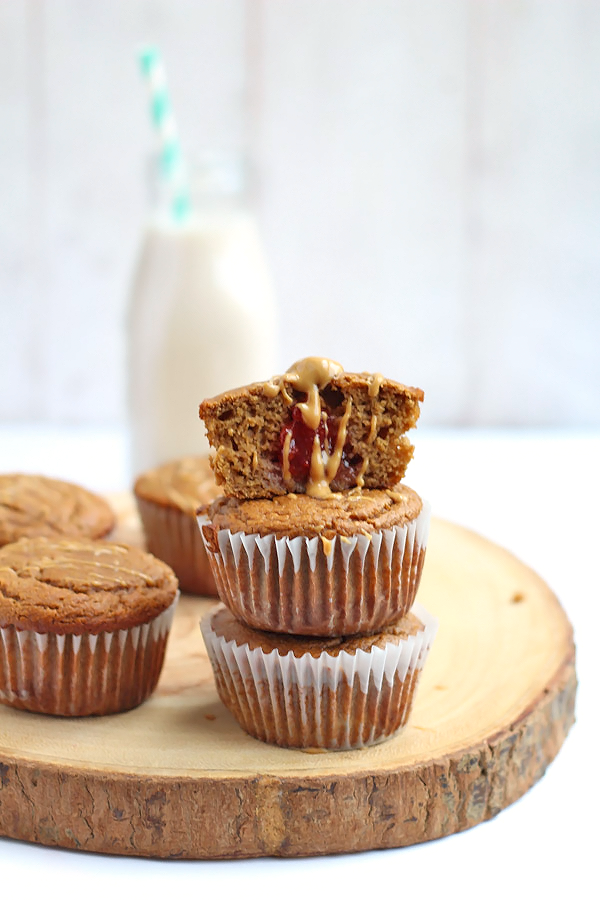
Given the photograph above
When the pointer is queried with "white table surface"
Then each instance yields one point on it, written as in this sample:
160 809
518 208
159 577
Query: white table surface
536 493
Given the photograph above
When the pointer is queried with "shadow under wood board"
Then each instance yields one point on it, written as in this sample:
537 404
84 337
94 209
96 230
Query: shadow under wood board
177 777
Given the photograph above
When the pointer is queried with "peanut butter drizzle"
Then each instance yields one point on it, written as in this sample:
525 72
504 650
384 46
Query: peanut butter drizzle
286 395
95 574
327 545
317 484
360 475
271 388
99 567
372 429
333 463
396 496
287 478
311 375
376 382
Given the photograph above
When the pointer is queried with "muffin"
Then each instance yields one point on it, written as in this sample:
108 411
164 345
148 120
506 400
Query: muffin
295 564
33 505
83 625
336 694
168 498
315 429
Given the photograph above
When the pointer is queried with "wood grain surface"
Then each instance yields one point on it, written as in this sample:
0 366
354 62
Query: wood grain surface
178 778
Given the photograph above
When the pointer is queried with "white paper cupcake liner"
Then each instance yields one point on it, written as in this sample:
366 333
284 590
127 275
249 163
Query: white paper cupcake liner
173 536
334 701
316 587
82 674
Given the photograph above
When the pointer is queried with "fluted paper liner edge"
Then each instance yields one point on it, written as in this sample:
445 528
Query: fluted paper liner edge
353 585
284 674
172 535
83 674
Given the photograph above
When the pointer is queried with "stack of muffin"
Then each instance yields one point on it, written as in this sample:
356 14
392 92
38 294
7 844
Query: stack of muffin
316 549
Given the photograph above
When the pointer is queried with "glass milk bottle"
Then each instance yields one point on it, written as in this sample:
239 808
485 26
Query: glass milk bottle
201 318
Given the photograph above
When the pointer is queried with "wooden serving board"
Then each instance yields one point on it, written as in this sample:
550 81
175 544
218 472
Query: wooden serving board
177 777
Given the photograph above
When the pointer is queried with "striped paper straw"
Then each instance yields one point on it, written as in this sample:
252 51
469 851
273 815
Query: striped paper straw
172 164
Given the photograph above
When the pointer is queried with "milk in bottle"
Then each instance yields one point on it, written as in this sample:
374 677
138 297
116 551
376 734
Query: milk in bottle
201 318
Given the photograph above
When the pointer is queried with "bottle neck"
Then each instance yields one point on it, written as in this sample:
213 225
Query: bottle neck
217 186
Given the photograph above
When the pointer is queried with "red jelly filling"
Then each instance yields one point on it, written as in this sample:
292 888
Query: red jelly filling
301 445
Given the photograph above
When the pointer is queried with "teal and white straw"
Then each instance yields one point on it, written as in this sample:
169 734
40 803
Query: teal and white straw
172 163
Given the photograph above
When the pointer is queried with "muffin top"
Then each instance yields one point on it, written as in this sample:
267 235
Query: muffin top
315 429
80 586
224 624
184 484
298 515
35 505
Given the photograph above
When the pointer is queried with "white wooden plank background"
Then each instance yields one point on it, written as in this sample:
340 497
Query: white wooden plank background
429 190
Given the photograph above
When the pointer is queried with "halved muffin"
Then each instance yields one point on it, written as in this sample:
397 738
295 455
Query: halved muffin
315 429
